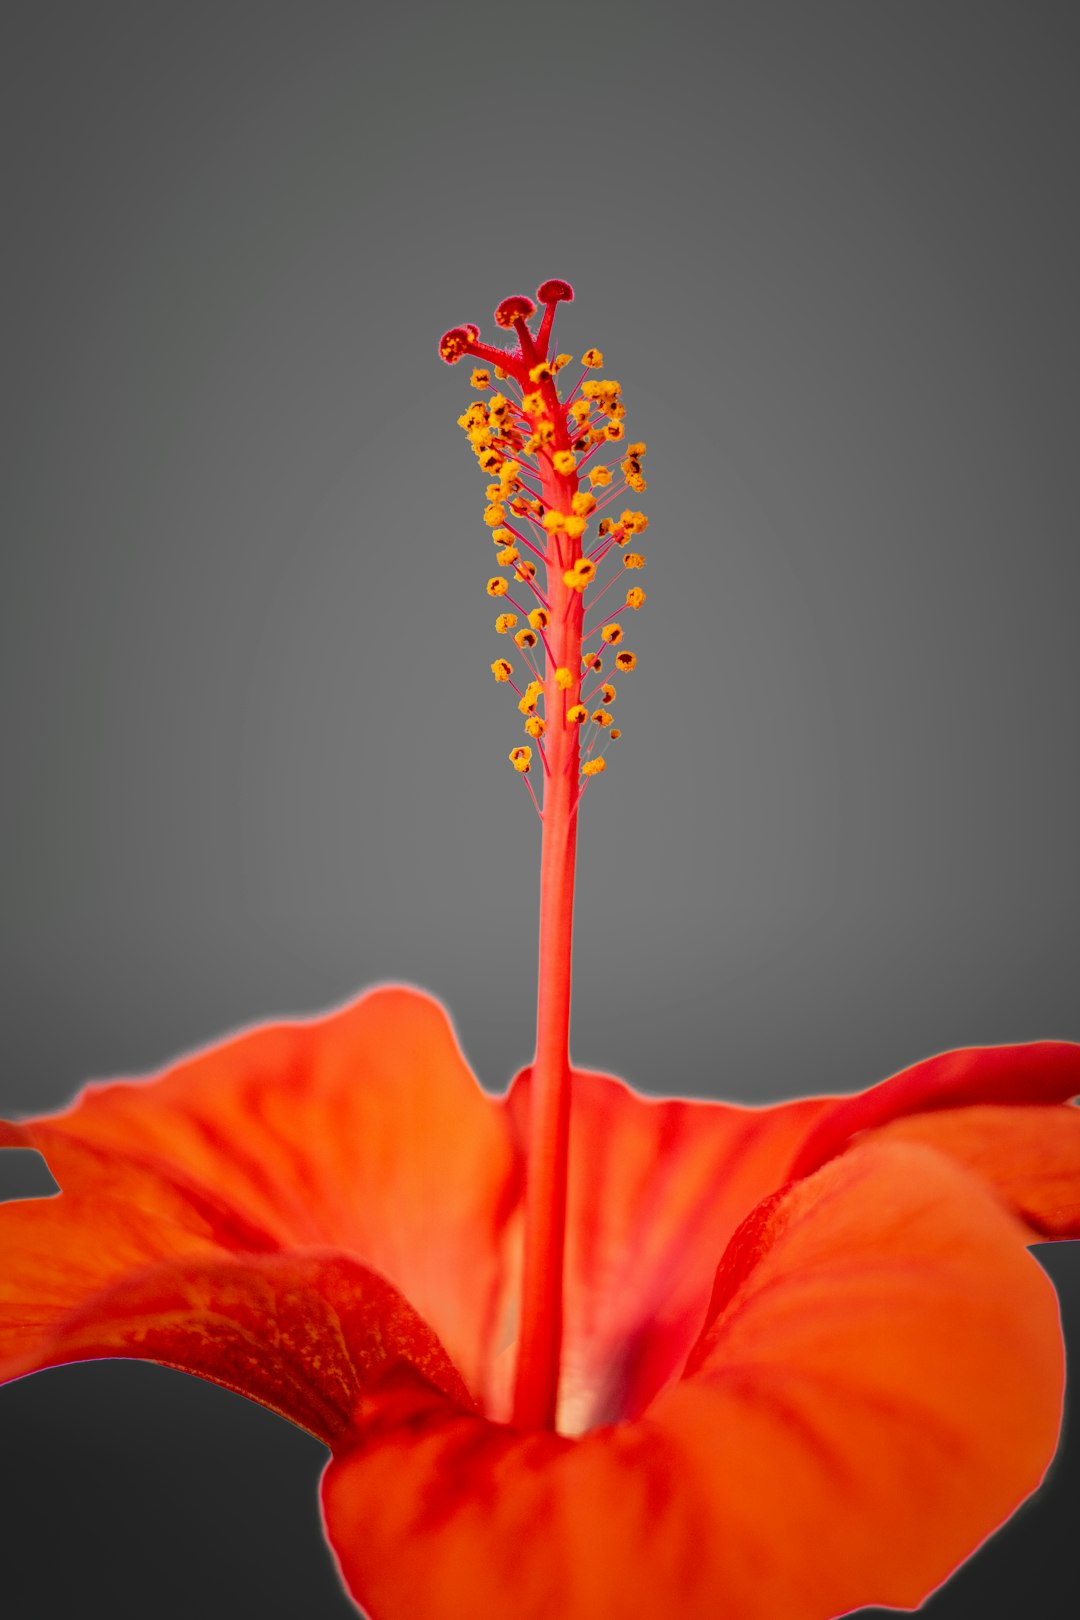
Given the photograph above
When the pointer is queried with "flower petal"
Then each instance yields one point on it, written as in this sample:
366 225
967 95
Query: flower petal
1039 1073
1030 1156
363 1131
301 1332
878 1387
656 1188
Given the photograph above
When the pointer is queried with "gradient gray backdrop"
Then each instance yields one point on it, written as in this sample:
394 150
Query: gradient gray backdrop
253 756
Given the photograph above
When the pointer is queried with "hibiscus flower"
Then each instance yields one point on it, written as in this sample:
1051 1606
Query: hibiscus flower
574 1351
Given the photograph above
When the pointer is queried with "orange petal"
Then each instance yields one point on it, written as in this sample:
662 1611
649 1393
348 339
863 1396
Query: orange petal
301 1332
363 1131
1030 1156
656 1188
878 1387
1043 1072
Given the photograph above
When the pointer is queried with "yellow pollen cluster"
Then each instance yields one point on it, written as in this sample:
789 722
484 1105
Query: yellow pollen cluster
580 575
543 462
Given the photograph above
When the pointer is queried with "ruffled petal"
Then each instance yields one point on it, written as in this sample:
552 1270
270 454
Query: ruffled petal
878 1386
1030 1156
301 1332
656 1188
364 1131
1039 1073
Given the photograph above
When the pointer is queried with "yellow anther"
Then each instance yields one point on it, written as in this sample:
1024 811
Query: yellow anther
564 462
508 555
505 622
607 692
521 759
560 361
637 449
592 661
528 700
605 526
533 404
532 445
490 461
494 492
535 726
498 405
597 435
540 373
614 430
539 619
602 717
614 733
564 678
593 767
480 378
591 358
500 373
636 482
633 559
600 476
497 586
494 515
526 638
611 633
635 596
525 569
583 503
575 527
580 409
545 431
502 670
625 661
636 522
579 576
508 472
554 522
474 417
502 537
577 714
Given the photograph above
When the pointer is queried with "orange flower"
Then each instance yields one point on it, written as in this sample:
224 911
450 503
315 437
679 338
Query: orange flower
807 1363
577 1353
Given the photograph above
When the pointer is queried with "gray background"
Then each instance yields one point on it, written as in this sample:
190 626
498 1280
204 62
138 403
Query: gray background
253 756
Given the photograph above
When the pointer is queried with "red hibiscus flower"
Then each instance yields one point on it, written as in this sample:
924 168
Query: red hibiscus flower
576 1352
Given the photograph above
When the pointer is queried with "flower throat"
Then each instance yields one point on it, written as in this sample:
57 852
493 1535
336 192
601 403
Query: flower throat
543 453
